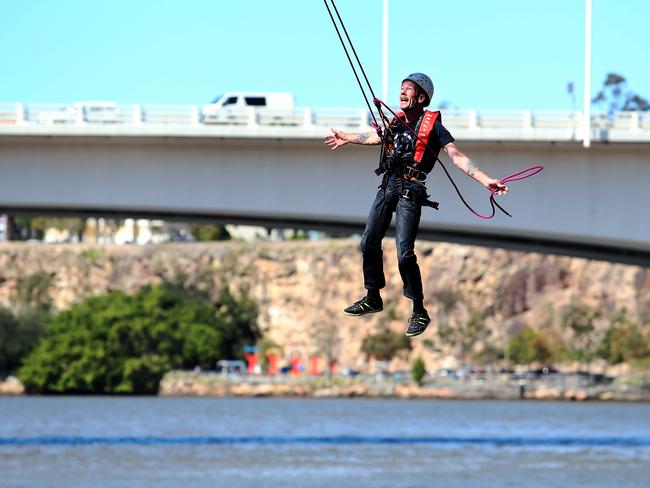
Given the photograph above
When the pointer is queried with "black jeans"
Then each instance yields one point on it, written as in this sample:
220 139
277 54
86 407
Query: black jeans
407 221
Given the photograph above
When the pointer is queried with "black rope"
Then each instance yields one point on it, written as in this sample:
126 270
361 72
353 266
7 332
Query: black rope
363 92
353 50
374 98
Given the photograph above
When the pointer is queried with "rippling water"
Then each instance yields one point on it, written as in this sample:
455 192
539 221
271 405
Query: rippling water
111 442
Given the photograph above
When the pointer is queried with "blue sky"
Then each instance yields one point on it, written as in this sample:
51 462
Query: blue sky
497 54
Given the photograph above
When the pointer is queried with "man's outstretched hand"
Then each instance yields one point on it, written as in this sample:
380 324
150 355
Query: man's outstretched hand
335 139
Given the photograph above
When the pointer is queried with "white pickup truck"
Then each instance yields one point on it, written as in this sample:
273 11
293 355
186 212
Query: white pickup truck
238 108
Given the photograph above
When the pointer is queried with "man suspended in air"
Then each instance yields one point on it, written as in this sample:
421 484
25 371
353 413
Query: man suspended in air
406 161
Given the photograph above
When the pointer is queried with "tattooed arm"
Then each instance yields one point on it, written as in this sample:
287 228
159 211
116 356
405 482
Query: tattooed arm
467 166
339 138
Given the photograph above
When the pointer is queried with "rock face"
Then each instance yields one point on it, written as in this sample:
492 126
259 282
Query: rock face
301 288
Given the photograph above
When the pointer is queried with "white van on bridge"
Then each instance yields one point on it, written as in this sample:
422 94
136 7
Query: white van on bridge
237 107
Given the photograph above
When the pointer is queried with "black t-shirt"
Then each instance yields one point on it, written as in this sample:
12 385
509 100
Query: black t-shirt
404 139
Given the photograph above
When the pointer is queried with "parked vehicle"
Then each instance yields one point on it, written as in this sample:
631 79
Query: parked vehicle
235 107
99 112
88 111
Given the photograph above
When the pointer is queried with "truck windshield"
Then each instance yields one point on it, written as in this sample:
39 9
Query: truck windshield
217 99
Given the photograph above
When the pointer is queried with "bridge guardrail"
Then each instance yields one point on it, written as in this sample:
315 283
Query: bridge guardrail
163 114
473 121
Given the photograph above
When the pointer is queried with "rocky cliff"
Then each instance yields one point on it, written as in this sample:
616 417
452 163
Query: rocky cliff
478 298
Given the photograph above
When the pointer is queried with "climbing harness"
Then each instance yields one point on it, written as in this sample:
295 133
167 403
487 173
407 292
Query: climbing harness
385 131
416 169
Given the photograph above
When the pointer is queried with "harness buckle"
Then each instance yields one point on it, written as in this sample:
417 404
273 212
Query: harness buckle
415 173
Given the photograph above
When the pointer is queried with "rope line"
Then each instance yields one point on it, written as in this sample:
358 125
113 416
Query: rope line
345 49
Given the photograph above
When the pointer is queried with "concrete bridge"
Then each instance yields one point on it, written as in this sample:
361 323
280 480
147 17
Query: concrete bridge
273 169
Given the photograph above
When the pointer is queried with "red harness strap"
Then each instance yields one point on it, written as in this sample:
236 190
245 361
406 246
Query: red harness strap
424 133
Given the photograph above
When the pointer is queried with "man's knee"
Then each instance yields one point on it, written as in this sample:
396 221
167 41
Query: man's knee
406 255
369 245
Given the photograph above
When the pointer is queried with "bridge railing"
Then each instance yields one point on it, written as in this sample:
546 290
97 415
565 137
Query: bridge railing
515 119
162 114
102 113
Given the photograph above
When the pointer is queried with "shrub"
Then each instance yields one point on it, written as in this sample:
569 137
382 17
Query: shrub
119 343
385 345
34 290
210 232
623 341
580 318
528 346
19 335
418 370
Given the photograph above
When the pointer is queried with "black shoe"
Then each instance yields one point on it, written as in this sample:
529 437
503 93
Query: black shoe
418 323
364 306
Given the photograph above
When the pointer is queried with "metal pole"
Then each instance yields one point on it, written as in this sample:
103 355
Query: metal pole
586 122
384 57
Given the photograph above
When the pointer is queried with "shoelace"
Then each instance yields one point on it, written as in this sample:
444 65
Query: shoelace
367 300
415 319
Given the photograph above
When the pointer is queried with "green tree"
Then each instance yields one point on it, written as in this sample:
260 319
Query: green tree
580 319
119 343
21 330
299 235
418 370
75 226
623 341
237 320
28 227
210 232
615 96
19 335
529 346
385 345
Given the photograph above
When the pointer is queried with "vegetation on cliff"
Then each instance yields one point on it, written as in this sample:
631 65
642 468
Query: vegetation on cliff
120 343
622 341
385 345
21 328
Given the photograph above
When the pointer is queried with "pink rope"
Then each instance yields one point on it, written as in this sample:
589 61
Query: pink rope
533 170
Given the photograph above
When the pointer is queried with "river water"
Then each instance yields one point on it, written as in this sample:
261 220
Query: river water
109 442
